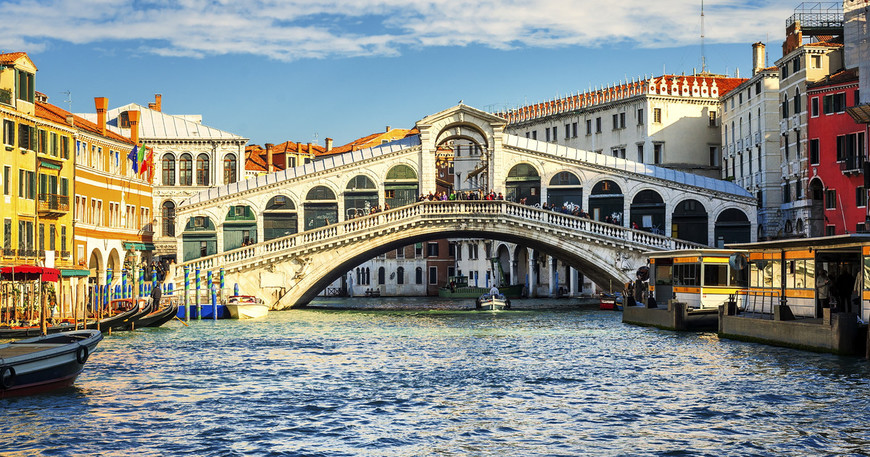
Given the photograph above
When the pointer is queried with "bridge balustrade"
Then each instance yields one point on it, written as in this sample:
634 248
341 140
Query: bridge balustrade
366 225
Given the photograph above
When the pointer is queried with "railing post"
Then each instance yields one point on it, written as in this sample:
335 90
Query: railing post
187 293
196 296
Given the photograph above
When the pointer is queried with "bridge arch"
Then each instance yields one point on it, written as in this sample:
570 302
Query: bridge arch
565 188
648 211
523 181
606 200
401 185
732 226
280 217
462 131
320 207
360 196
239 227
690 221
199 238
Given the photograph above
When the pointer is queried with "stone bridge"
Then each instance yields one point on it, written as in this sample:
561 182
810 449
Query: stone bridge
292 270
300 227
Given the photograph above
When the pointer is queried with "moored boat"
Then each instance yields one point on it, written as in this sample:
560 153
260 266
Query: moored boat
493 302
159 316
45 363
246 307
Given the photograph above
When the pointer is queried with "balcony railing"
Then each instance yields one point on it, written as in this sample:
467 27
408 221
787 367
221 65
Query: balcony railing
852 165
27 253
8 252
53 203
64 254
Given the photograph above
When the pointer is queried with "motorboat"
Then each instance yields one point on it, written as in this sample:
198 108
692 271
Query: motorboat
45 363
493 302
246 307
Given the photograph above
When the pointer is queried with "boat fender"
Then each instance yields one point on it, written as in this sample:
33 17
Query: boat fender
7 377
82 355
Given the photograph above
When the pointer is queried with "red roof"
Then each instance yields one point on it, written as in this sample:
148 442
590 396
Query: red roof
59 115
11 57
256 158
369 141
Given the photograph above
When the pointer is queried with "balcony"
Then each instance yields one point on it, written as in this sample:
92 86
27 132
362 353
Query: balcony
64 254
851 165
52 204
27 253
757 138
7 252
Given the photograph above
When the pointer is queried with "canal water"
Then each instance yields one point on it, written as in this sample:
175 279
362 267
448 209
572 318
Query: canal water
443 382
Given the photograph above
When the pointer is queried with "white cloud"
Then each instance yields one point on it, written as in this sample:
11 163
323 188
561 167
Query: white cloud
295 29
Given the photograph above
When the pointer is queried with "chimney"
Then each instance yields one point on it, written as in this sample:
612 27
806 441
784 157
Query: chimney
71 120
388 129
101 103
328 144
309 149
757 57
158 103
133 118
269 165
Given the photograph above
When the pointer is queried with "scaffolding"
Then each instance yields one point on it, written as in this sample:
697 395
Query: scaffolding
818 18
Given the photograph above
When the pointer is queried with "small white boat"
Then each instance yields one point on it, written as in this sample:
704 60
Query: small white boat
246 307
45 363
493 302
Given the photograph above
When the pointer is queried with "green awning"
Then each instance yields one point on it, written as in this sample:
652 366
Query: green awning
67 273
49 165
138 246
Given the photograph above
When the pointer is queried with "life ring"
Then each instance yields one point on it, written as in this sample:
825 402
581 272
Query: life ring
7 380
82 355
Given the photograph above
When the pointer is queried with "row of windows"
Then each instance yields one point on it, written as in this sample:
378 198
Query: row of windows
49 185
617 123
833 103
29 137
832 203
363 276
26 238
90 211
186 170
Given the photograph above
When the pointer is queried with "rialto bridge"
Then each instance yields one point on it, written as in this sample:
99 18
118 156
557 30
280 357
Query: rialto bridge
295 231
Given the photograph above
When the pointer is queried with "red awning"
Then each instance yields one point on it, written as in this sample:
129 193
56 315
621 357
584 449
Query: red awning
29 273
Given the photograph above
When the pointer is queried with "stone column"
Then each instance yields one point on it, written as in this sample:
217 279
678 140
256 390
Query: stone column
554 286
573 278
532 278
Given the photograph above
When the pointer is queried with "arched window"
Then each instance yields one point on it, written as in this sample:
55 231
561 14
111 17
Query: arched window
230 165
185 170
168 170
168 216
418 276
382 276
400 275
202 171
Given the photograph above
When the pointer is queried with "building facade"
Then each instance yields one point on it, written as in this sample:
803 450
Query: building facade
804 61
750 141
670 121
188 157
837 152
37 178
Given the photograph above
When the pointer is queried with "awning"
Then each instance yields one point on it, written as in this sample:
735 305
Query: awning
476 172
138 246
49 165
67 272
29 273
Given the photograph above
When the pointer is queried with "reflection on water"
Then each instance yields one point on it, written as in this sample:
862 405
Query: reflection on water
443 382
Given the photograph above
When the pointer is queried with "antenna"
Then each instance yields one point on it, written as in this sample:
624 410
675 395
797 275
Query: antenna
68 100
703 57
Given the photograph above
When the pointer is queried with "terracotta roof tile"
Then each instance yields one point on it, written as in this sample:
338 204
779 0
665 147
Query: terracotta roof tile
375 139
11 57
256 158
59 115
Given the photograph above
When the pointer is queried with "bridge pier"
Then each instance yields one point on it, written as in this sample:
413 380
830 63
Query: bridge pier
573 279
533 280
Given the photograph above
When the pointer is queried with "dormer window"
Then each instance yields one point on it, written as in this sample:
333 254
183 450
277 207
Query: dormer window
124 120
25 88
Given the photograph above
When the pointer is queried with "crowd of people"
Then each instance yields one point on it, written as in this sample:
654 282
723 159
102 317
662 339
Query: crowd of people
461 195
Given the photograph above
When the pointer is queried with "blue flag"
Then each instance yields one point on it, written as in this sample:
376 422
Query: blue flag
133 157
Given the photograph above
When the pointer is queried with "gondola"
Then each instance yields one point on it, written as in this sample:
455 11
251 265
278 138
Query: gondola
145 309
112 322
159 317
44 363
9 333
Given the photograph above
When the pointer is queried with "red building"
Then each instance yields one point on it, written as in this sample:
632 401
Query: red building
837 152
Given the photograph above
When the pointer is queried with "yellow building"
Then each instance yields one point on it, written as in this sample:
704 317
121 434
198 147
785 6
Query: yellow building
37 177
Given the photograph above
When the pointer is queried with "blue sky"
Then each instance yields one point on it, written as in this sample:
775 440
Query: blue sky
304 70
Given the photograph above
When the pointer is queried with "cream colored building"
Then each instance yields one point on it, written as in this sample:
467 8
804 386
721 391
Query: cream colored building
671 121
750 141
